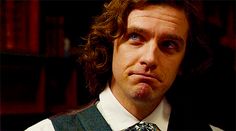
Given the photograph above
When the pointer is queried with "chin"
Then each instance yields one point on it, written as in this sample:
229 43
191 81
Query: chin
143 91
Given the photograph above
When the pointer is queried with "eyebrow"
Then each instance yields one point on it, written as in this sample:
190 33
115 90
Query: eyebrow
162 36
173 37
138 30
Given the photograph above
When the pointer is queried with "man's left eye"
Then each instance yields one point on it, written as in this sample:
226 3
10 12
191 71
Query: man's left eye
170 44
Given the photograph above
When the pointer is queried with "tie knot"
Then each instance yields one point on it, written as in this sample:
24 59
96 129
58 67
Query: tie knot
143 126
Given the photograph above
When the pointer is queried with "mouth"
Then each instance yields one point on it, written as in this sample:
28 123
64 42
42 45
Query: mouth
144 75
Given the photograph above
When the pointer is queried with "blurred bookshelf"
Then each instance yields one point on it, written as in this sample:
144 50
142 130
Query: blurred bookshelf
19 26
39 75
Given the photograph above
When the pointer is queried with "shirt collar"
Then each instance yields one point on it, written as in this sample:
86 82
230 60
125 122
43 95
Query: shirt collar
119 118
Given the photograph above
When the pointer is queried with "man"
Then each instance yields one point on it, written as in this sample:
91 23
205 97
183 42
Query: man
135 51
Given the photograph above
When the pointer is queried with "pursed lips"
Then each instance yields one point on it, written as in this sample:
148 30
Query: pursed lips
146 75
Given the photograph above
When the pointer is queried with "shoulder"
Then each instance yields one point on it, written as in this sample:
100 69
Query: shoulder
187 119
67 121
87 119
214 128
44 125
74 120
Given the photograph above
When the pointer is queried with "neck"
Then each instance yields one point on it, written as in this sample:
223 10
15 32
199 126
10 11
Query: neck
139 108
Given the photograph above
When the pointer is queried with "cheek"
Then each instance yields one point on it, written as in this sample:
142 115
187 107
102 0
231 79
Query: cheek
119 61
170 68
116 65
123 57
169 77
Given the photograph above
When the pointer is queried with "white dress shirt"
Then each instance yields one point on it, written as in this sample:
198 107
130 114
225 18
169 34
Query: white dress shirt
119 118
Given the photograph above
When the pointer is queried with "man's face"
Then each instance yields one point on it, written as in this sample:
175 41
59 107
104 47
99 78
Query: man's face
147 58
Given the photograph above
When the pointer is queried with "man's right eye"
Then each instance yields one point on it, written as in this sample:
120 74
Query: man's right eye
135 38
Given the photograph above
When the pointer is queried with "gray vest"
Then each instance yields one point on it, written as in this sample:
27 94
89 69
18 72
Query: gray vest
89 119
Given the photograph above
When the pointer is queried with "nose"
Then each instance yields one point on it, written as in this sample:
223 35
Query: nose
149 57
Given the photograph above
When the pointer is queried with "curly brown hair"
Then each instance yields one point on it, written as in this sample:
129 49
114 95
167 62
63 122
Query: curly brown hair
96 54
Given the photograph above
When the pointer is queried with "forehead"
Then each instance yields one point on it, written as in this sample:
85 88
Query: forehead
159 17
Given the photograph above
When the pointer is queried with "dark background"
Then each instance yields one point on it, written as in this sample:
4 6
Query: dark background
22 72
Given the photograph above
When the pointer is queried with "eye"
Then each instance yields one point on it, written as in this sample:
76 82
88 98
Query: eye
135 37
169 46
